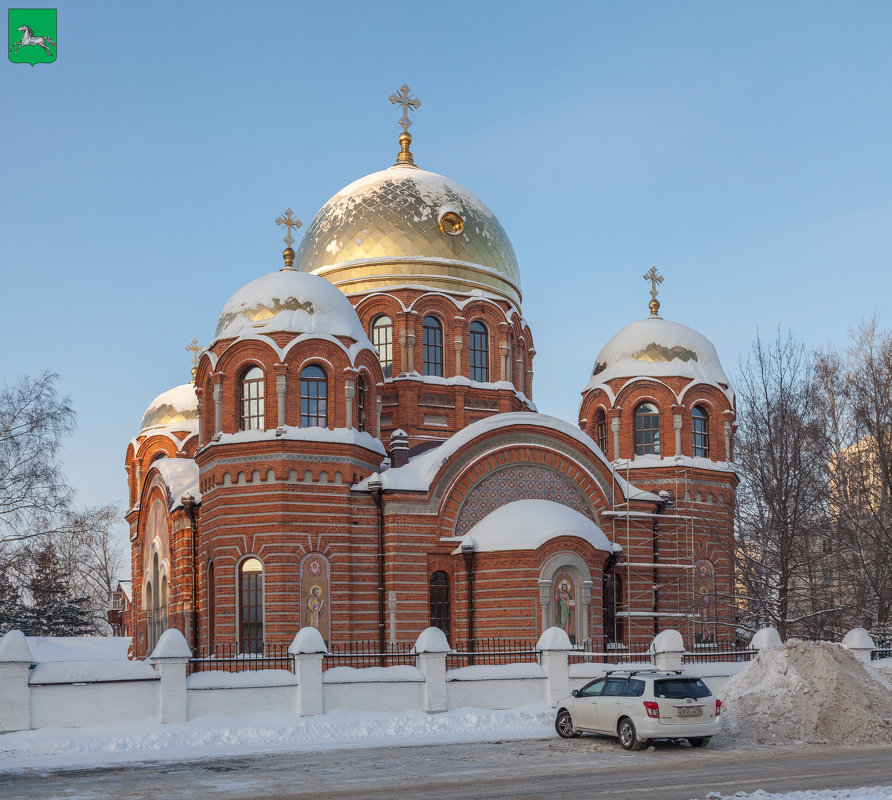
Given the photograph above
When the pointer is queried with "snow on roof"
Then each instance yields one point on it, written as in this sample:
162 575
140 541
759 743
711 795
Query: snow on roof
528 524
126 588
657 348
421 470
292 301
181 477
312 434
651 460
175 409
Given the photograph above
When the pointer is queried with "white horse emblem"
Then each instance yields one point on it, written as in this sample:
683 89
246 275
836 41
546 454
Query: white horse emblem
28 38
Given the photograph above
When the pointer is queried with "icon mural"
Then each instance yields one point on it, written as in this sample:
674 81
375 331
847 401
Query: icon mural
565 603
704 596
315 609
32 35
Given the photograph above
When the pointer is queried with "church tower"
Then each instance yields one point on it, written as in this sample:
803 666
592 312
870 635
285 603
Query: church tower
661 408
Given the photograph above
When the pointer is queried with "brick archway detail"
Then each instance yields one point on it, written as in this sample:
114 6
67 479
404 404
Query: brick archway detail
518 482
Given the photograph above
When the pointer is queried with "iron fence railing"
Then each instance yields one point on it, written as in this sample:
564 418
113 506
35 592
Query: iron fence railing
881 652
492 651
368 654
720 651
226 658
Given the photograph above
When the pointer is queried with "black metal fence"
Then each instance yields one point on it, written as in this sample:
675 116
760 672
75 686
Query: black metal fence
881 652
491 651
226 658
585 656
721 651
367 654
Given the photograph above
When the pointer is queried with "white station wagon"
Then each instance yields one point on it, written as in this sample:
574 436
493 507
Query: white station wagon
637 705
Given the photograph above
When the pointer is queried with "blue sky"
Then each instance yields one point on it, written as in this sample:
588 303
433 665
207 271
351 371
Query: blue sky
742 148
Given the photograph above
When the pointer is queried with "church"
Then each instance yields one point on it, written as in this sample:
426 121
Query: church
360 452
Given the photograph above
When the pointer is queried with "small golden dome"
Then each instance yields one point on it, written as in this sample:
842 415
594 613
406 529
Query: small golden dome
405 226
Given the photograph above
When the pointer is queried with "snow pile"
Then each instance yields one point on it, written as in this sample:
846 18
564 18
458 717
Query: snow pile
811 692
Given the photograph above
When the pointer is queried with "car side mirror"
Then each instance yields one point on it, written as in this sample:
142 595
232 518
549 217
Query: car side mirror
575 693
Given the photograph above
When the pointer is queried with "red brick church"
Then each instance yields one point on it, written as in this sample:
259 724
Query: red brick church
360 452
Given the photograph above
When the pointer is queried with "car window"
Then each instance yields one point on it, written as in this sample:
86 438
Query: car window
593 689
615 687
634 688
680 688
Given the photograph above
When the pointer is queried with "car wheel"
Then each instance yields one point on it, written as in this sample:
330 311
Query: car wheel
628 736
698 741
563 724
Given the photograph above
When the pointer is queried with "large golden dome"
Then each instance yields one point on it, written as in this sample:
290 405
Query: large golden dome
405 226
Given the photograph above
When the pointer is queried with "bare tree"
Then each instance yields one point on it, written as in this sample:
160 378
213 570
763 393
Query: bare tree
783 535
33 421
91 557
857 393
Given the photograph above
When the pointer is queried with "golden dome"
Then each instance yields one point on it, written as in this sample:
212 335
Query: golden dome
405 226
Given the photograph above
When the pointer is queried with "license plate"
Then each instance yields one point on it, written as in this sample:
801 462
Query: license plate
690 712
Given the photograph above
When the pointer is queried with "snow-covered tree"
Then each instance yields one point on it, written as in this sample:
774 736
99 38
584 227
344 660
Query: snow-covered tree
53 610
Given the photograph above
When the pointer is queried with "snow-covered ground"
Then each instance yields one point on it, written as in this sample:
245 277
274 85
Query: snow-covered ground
219 735
867 793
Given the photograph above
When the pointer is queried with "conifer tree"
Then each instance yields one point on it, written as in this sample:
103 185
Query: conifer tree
53 610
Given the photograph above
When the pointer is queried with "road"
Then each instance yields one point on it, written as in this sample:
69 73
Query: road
585 767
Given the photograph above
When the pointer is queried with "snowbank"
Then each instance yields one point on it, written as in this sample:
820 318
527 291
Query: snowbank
79 648
811 692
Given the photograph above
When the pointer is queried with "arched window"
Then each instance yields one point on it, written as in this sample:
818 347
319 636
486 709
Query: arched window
613 629
439 601
509 373
313 398
250 588
156 604
601 430
479 352
700 430
647 430
382 338
361 392
432 346
252 400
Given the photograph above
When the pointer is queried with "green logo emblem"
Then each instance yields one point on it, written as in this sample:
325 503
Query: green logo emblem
32 35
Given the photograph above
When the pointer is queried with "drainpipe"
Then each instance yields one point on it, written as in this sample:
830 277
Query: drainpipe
665 501
376 487
189 506
467 551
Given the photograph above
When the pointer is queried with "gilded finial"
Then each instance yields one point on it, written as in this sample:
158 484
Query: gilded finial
655 278
405 99
196 349
288 221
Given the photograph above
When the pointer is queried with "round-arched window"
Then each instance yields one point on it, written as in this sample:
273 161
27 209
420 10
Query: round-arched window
313 398
700 432
252 400
250 587
647 430
479 352
382 338
432 349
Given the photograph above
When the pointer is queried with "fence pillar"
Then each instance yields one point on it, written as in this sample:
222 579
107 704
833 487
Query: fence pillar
860 643
307 650
15 694
667 650
430 652
554 656
170 657
765 639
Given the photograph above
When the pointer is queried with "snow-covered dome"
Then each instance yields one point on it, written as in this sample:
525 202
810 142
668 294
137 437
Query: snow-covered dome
289 301
175 409
658 348
405 226
528 524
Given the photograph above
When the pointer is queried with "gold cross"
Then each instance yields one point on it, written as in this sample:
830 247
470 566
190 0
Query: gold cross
289 222
196 349
405 99
655 278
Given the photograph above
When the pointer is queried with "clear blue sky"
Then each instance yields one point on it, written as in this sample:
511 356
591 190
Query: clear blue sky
742 148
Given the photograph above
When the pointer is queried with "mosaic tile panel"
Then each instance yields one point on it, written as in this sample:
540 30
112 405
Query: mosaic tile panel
518 482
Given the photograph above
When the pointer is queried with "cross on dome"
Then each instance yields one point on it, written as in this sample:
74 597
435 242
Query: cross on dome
196 349
655 278
404 98
287 221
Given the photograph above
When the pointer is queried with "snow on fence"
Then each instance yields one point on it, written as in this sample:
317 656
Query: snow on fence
310 679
